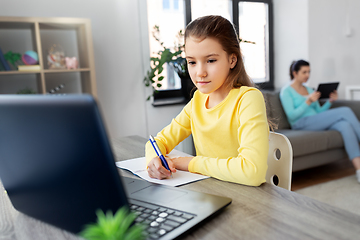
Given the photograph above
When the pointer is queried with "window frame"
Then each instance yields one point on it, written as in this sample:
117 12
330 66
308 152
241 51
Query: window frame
268 85
164 97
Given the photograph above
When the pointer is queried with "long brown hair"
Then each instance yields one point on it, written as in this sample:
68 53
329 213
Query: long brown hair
223 31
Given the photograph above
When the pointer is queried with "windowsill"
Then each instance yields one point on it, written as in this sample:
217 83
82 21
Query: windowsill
169 97
169 101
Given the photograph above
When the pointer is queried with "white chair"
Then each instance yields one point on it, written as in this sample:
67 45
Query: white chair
280 158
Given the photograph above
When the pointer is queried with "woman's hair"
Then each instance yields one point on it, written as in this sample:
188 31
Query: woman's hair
224 32
296 65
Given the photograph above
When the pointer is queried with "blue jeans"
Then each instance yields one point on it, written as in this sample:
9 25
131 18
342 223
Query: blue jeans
341 119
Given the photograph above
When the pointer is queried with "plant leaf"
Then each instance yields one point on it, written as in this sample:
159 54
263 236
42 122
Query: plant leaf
113 227
135 232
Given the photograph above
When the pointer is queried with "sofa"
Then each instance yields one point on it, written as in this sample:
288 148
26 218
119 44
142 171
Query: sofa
310 148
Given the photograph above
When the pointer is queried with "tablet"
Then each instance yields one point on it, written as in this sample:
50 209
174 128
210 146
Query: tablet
326 88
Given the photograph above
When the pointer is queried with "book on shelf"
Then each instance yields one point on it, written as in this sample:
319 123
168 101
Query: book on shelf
29 67
4 62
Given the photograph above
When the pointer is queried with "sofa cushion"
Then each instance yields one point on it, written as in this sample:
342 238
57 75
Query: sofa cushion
274 109
309 142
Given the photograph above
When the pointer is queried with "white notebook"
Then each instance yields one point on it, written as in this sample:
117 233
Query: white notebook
138 167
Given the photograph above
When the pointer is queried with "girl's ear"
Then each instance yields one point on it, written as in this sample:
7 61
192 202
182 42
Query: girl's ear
233 61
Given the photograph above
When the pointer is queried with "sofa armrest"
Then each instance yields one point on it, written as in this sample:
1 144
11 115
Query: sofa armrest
354 105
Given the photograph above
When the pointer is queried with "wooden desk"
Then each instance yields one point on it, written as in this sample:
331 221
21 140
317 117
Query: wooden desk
264 212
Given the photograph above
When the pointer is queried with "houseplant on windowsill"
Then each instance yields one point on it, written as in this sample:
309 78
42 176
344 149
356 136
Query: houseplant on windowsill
173 57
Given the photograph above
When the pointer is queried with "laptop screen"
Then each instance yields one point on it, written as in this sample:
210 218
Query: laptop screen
56 160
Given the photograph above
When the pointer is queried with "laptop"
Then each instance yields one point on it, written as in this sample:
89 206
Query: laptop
57 165
326 88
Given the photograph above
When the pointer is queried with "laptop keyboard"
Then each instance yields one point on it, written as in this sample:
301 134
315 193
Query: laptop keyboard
158 220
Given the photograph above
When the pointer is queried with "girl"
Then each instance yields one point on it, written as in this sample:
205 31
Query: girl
226 116
304 112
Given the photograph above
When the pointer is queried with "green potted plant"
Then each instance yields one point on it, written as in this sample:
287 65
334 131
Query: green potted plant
114 227
166 55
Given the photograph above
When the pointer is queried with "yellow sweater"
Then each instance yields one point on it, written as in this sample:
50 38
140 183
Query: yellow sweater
231 139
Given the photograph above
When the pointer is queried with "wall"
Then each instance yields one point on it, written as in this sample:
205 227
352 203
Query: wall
291 40
324 32
334 55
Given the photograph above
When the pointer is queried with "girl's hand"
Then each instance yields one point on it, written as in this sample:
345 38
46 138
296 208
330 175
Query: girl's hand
333 96
313 97
155 168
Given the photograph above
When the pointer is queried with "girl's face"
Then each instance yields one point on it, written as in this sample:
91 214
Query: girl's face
209 65
303 74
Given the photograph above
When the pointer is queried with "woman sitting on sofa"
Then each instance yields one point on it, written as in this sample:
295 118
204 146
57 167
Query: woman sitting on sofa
304 112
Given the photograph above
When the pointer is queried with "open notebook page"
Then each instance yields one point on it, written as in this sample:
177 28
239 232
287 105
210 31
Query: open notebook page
138 167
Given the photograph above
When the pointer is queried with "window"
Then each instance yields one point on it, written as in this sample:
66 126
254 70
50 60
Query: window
254 21
176 4
211 7
169 16
251 18
166 4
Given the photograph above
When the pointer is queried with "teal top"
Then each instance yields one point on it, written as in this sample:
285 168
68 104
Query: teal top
295 106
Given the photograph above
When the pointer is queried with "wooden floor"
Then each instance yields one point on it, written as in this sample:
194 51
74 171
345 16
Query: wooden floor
313 176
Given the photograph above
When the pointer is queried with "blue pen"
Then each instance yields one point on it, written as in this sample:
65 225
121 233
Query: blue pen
158 152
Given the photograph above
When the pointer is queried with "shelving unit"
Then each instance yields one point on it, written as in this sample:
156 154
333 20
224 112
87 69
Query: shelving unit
20 34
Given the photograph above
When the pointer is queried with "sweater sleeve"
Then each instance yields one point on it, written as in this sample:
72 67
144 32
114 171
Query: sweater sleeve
250 165
171 135
287 102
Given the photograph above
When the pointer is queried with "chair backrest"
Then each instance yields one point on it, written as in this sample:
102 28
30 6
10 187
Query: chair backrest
280 158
